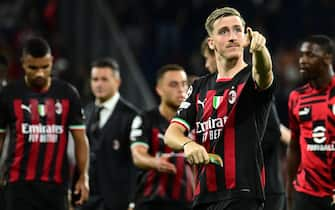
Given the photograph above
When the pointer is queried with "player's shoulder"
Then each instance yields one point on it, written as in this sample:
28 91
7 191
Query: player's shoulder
151 113
206 78
299 90
202 82
128 106
64 86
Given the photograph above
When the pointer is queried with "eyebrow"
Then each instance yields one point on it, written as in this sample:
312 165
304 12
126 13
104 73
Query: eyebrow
34 67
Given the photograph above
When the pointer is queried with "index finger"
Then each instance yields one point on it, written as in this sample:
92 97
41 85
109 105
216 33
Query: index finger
248 37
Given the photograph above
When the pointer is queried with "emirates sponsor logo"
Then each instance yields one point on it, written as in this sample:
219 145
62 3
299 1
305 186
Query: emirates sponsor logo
210 124
42 133
211 129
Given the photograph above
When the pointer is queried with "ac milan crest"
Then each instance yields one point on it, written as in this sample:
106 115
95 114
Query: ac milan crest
232 96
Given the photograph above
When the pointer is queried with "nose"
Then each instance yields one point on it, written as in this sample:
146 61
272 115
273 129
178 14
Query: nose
39 72
232 35
182 88
302 59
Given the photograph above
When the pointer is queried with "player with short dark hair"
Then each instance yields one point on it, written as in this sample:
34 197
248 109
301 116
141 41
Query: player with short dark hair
311 156
165 181
39 112
228 111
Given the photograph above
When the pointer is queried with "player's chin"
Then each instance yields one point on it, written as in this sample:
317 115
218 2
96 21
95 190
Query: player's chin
39 82
233 54
99 94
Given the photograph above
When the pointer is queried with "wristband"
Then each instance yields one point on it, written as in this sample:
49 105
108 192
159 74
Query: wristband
184 144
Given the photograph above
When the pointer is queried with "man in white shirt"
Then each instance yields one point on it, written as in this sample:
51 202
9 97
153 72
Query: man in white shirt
109 119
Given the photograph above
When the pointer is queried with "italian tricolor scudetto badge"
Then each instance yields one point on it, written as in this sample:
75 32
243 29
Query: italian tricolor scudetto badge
217 101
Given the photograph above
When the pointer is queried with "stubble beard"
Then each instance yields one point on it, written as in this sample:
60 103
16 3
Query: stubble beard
172 105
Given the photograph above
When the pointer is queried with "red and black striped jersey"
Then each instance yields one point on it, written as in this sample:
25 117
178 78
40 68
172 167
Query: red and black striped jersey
312 122
229 117
38 123
154 186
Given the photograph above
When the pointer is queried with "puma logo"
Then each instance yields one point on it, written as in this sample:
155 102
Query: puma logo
25 107
161 136
202 103
304 111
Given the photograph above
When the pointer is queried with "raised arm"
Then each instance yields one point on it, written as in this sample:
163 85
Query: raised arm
261 59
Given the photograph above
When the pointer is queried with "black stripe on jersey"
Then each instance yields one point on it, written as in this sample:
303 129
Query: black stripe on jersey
31 155
320 154
332 93
18 151
302 89
50 147
311 181
313 95
313 102
332 170
320 175
53 163
331 121
40 161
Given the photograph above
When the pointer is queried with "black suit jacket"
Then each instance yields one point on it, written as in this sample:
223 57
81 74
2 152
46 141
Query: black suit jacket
114 169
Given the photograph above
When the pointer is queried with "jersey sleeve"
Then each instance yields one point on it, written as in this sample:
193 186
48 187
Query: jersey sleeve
293 121
76 114
186 114
268 93
140 131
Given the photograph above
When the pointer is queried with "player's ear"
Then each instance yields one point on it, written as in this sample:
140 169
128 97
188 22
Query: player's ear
328 58
210 43
158 90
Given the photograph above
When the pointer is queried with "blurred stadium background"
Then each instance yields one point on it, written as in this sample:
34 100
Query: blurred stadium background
143 35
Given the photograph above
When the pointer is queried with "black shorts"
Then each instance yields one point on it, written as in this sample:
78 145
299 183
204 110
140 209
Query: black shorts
233 204
308 202
274 202
35 196
160 206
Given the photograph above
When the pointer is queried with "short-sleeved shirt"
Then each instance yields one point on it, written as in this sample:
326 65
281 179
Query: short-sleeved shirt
38 125
154 186
229 117
312 123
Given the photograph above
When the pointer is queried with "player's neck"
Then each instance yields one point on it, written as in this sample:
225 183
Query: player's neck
228 68
167 111
42 89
